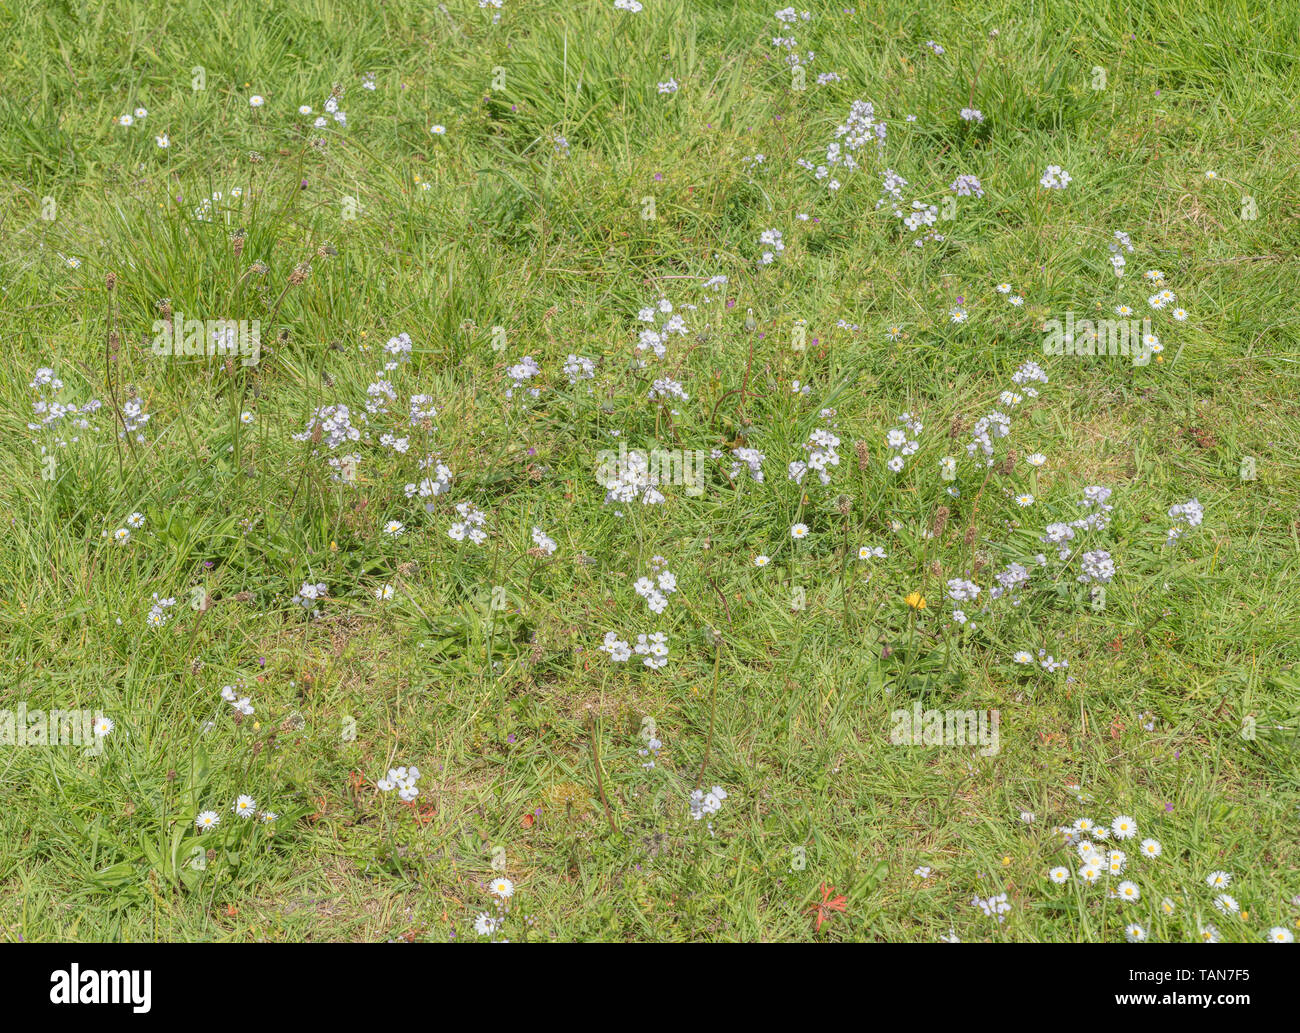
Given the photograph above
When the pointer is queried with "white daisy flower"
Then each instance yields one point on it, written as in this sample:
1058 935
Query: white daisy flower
207 820
1124 827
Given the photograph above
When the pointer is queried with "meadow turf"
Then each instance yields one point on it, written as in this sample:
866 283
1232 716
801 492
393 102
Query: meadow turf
566 194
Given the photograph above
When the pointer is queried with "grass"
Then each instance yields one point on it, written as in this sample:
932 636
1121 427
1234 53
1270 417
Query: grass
1180 705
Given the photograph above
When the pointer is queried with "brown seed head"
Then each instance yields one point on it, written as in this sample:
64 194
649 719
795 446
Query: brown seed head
940 520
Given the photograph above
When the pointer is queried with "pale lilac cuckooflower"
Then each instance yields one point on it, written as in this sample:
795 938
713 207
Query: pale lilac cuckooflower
751 458
577 367
335 425
617 649
654 649
1097 566
470 524
1055 178
962 591
521 373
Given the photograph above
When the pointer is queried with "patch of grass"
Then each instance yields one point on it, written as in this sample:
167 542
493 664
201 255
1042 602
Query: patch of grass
568 193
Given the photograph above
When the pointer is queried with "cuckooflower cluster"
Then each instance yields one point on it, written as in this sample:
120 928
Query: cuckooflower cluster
994 906
1185 515
402 780
1097 565
470 524
50 413
543 541
632 480
748 457
900 444
656 591
703 804
1055 178
242 704
157 616
820 446
663 324
522 372
653 649
430 487
309 595
772 244
331 424
578 368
